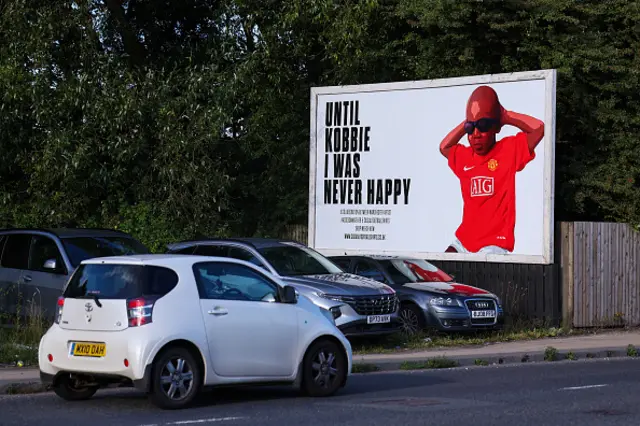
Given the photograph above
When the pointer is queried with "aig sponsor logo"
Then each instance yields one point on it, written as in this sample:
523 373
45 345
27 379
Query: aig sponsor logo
482 186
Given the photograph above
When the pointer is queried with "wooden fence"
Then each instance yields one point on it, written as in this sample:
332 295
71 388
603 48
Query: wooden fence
600 275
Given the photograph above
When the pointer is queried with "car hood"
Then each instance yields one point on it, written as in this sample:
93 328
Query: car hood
339 284
450 289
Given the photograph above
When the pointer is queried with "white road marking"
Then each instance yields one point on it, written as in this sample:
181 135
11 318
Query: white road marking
584 387
219 419
191 422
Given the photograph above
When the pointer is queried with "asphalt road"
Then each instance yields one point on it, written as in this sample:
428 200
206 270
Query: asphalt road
595 392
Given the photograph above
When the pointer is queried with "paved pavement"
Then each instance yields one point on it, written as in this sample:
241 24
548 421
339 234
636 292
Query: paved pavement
594 392
601 345
17 375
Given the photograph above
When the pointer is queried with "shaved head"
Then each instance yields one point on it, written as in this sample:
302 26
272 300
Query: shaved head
483 103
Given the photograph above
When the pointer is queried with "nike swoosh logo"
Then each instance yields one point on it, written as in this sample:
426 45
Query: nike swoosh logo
468 168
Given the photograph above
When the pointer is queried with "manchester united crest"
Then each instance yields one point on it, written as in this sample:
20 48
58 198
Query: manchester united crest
493 165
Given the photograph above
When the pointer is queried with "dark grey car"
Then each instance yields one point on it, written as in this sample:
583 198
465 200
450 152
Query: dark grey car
35 265
429 297
368 307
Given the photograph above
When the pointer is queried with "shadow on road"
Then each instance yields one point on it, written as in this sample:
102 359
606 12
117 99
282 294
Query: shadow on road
357 386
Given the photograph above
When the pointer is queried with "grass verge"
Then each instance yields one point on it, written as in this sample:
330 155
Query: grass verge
439 362
364 368
518 332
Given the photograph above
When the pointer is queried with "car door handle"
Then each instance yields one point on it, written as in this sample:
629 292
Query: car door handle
27 278
218 311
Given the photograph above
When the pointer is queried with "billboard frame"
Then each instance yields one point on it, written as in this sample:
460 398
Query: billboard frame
550 78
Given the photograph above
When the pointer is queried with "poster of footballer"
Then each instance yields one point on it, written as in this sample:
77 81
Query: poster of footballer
446 169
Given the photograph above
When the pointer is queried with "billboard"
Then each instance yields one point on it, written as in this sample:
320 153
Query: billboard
447 169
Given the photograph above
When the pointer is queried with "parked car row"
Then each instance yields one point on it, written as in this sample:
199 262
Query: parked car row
269 310
377 295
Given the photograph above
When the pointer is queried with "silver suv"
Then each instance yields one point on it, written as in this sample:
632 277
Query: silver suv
368 307
35 264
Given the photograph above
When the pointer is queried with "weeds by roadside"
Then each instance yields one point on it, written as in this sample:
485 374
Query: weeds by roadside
364 368
440 362
20 334
426 340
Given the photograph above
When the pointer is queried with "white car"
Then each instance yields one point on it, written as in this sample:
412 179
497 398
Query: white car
171 324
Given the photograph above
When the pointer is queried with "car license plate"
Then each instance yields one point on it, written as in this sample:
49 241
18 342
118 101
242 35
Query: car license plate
378 319
96 350
483 314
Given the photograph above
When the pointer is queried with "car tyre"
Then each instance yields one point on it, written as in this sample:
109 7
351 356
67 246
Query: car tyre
176 379
68 389
324 369
412 319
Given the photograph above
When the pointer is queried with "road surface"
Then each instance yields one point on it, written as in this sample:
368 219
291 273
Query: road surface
594 392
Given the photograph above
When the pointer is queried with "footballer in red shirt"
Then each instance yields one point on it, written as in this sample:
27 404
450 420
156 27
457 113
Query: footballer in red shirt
487 171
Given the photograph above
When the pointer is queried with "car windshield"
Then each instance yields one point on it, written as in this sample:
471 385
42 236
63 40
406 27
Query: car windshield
82 248
293 259
404 271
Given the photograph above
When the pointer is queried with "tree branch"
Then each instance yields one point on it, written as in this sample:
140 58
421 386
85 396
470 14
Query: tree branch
132 45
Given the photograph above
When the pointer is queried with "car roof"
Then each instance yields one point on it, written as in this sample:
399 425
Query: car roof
155 259
70 232
376 257
254 242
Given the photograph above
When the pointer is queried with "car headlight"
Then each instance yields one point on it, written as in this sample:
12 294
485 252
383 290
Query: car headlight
336 312
441 301
328 314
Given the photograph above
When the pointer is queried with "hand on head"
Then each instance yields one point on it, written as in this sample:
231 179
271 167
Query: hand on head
484 118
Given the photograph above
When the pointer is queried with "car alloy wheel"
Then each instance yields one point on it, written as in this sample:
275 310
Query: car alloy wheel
411 320
176 380
324 368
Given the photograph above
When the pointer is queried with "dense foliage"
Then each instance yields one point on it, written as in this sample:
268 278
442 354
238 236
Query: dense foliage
175 118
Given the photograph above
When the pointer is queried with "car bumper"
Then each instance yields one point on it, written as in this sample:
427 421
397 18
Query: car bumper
445 319
112 367
360 328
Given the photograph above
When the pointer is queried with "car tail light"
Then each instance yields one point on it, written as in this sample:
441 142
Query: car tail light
59 309
139 311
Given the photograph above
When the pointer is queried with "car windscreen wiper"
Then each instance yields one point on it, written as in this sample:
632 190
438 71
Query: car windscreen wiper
93 296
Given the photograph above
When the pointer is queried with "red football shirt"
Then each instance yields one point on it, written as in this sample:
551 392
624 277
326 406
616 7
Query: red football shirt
488 186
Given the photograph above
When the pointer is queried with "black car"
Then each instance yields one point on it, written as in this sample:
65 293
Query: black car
429 297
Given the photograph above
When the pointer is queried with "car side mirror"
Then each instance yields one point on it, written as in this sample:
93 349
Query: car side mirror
50 264
289 295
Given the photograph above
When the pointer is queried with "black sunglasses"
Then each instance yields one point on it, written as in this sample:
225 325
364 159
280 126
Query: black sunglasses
484 125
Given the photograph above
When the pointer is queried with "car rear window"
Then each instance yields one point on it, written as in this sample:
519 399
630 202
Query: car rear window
82 248
108 281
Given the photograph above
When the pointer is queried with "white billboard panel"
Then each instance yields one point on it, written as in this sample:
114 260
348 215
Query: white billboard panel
449 169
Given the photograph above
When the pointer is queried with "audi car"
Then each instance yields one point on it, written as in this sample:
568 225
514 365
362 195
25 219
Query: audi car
429 297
